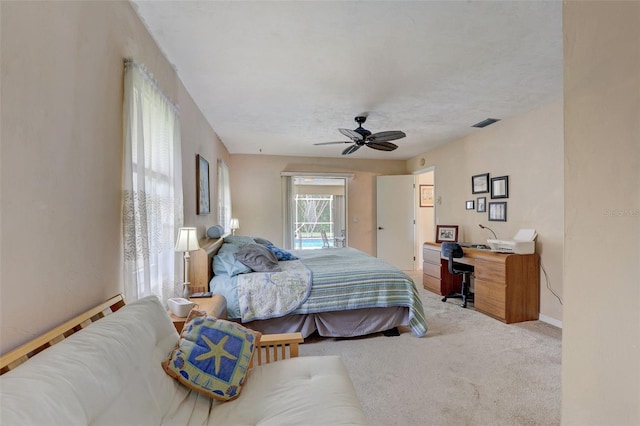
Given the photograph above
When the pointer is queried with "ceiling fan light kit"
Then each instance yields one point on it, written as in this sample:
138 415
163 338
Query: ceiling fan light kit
363 137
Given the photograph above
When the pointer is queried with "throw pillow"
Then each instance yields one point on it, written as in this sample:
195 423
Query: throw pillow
239 240
262 241
258 258
281 254
212 356
227 264
215 231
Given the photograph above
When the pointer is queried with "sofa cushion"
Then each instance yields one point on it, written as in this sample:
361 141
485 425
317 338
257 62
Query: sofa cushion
212 356
108 373
314 390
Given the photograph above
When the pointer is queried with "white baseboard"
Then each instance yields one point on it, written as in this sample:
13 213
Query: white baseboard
550 320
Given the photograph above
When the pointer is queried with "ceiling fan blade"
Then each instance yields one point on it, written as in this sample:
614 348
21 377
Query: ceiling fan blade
351 149
390 135
351 134
332 143
382 146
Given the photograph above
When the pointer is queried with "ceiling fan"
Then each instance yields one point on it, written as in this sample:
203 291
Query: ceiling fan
362 137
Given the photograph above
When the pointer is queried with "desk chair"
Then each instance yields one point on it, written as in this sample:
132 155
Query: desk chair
454 251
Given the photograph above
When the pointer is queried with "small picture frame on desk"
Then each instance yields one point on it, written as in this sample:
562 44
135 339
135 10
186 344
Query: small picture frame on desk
446 233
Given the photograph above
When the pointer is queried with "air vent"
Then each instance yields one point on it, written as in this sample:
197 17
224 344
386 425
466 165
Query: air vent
485 123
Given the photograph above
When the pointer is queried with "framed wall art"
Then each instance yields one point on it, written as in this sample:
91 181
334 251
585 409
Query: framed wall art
480 183
203 196
470 205
498 211
481 204
426 195
500 187
446 233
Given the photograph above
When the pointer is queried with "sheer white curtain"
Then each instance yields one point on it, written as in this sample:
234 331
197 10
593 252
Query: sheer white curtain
152 193
224 196
288 212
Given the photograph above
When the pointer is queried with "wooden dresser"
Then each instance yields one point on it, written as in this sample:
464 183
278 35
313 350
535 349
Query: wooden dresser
506 286
435 275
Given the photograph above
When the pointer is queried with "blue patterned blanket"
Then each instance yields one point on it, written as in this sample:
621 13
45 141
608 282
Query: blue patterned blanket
263 295
346 278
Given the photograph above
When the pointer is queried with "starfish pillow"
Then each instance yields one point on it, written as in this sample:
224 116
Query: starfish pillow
212 356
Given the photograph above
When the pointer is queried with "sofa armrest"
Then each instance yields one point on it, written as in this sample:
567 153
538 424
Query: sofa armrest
274 347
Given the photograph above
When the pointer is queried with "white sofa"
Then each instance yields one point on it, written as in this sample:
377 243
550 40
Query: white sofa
110 373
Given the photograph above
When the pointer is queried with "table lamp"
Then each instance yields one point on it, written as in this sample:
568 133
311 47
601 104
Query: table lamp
187 241
234 224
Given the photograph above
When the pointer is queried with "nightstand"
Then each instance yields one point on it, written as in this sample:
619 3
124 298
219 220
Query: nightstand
215 306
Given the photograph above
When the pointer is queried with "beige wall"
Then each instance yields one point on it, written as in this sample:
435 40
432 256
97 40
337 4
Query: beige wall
61 156
601 343
257 201
527 148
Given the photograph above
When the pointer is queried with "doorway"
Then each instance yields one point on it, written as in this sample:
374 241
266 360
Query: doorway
426 211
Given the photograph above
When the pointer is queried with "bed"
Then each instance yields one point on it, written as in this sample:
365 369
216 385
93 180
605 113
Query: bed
349 294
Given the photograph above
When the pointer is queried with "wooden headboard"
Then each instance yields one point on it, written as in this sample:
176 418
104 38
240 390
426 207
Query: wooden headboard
201 267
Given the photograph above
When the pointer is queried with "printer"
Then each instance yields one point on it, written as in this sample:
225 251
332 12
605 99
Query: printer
522 243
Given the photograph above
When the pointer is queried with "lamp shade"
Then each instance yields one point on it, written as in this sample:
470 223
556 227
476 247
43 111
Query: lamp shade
234 224
187 240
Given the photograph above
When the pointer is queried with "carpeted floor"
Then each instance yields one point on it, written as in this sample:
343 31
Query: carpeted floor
469 369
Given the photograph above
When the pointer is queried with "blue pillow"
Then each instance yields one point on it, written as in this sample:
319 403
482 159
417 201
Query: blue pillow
227 264
215 231
281 254
239 240
228 248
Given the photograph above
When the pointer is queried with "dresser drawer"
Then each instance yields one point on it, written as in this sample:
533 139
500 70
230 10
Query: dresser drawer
431 269
490 271
431 255
431 283
490 298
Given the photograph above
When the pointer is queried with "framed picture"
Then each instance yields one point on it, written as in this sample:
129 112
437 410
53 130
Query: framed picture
203 198
446 233
470 205
498 211
500 187
480 183
481 204
426 195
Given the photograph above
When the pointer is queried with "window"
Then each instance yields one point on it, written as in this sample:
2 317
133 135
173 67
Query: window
315 211
152 193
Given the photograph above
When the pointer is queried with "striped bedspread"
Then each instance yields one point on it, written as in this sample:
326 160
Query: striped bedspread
346 278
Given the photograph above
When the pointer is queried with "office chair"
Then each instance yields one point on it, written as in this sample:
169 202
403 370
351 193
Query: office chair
454 251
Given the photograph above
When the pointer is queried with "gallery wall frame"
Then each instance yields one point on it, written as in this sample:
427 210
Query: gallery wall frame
470 205
426 195
203 194
480 183
446 233
500 187
481 204
498 211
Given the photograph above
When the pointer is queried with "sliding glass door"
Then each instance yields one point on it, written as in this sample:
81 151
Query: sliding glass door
315 212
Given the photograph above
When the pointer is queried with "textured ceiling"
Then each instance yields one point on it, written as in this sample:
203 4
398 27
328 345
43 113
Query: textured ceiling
276 77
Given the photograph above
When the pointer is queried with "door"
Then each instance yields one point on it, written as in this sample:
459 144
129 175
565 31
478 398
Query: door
395 220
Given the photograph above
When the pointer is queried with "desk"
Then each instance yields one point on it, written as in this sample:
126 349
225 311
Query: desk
506 286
